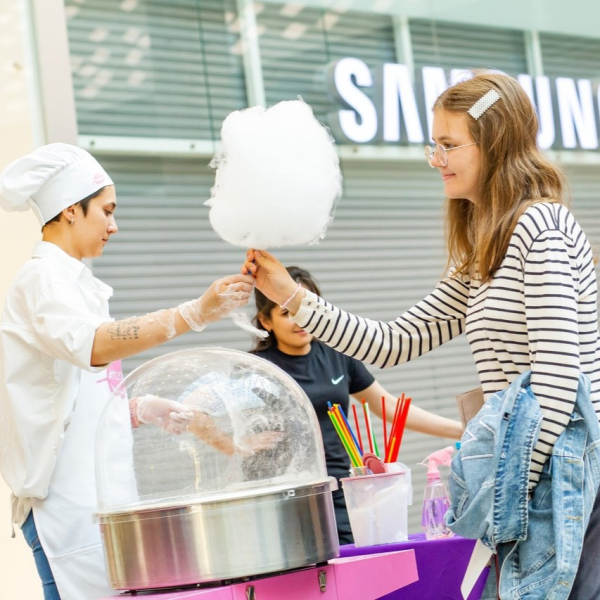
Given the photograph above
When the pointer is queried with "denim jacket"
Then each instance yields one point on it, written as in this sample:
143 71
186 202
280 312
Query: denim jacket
538 540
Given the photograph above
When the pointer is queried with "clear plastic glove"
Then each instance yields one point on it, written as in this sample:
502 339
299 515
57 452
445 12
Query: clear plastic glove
222 297
204 427
265 440
172 416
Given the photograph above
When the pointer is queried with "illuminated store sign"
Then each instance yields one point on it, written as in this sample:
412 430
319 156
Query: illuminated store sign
401 112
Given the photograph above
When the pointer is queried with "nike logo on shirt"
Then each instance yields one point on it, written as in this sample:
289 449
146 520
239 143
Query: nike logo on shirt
336 381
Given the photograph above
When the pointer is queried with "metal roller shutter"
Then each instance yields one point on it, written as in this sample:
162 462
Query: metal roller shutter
155 68
384 250
455 46
296 46
584 188
570 56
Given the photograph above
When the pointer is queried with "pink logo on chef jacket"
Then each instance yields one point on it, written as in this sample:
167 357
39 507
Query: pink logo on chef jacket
114 376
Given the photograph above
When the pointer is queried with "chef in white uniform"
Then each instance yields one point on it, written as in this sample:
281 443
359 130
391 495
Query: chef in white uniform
56 342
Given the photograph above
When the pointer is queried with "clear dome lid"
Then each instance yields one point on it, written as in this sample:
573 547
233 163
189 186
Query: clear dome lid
204 422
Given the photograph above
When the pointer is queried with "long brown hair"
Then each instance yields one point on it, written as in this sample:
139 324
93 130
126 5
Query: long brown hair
514 173
264 306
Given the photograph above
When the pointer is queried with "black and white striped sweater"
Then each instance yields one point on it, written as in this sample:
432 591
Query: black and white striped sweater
538 312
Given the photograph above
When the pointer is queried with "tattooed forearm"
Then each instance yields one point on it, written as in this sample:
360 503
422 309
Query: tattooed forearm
126 329
119 339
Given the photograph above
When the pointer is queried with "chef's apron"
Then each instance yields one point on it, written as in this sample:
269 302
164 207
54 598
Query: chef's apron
64 520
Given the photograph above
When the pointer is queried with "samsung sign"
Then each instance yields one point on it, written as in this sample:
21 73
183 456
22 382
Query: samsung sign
401 112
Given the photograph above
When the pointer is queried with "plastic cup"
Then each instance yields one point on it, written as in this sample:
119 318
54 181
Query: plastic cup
377 507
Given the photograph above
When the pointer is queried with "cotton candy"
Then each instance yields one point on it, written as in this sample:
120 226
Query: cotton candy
277 179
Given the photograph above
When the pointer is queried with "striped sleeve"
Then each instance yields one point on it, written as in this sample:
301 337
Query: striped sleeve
436 319
551 295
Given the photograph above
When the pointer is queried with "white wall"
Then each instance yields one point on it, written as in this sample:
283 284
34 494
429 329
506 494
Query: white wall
18 233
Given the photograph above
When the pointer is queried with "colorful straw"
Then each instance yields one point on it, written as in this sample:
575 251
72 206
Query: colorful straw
398 426
366 413
372 430
347 426
390 450
334 409
385 438
354 458
401 425
343 429
394 430
353 444
397 411
357 427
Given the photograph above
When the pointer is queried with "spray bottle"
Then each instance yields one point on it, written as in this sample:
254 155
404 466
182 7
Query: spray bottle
436 499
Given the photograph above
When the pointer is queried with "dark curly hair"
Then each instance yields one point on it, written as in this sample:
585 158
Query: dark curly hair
264 306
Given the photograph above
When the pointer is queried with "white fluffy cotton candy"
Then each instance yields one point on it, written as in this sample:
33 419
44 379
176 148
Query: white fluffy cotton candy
277 179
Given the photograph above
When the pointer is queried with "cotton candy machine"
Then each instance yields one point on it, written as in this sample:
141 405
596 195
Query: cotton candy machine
242 491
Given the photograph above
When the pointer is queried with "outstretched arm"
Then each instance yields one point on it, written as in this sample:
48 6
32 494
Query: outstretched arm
204 427
118 339
418 419
433 321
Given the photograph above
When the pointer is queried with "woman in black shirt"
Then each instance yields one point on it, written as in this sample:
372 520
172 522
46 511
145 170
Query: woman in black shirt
329 376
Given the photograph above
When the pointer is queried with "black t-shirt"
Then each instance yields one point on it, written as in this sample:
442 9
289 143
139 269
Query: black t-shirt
325 376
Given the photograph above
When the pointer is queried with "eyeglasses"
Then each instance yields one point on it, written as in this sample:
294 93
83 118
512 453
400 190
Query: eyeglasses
439 153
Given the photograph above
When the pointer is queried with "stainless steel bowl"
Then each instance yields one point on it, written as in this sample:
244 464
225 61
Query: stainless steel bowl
220 537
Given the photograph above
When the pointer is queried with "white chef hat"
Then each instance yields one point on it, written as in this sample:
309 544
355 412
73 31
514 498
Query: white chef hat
50 179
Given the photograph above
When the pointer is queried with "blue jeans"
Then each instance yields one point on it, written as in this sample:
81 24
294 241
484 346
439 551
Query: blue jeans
587 582
41 562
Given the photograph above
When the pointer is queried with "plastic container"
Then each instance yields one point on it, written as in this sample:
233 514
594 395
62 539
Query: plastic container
377 507
400 467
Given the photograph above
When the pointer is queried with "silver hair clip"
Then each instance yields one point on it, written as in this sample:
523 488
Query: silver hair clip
484 103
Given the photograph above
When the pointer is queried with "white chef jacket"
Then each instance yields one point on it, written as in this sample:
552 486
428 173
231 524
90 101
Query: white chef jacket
47 328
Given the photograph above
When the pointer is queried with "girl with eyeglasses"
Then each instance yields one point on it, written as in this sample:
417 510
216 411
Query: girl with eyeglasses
522 284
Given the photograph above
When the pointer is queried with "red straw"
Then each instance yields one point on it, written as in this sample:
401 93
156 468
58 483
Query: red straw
385 438
368 428
395 419
401 425
357 427
392 442
394 430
